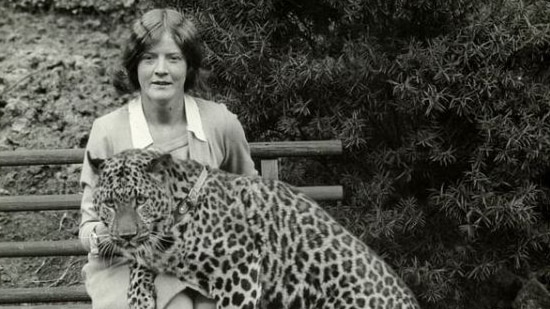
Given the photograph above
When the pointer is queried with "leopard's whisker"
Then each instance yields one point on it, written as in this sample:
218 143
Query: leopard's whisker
158 245
158 238
150 249
107 246
109 249
109 253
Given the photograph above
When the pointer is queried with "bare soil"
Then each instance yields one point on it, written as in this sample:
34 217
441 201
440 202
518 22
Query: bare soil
54 80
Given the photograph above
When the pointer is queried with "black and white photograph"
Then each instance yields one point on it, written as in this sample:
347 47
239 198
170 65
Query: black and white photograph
275 154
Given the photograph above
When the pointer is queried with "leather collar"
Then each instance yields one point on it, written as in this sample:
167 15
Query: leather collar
192 197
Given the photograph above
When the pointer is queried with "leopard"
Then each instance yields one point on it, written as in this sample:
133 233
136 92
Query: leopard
244 241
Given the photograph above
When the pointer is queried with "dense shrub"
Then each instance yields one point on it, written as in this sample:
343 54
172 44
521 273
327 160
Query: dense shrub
442 107
469 143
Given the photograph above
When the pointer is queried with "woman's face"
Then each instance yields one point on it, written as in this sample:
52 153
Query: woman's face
162 71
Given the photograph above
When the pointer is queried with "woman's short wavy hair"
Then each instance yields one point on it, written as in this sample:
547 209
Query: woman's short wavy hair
146 32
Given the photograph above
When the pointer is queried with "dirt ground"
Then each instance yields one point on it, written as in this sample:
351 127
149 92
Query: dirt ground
53 82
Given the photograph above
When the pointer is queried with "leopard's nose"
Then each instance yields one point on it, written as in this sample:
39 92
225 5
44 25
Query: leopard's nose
127 236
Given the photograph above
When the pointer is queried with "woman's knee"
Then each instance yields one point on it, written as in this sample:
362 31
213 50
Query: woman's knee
107 287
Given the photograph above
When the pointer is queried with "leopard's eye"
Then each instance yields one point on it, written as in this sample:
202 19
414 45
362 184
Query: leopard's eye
109 204
140 200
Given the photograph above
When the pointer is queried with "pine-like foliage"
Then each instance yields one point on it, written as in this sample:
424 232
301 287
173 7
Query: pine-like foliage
442 107
470 142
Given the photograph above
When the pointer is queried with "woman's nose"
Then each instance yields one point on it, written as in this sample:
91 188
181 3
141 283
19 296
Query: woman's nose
161 67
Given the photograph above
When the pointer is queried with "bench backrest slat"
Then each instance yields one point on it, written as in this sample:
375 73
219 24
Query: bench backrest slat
39 202
43 295
86 305
257 150
72 201
41 248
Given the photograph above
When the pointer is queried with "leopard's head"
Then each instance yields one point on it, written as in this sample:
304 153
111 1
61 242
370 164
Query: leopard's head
133 199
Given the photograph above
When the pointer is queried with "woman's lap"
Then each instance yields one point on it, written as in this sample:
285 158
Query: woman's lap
107 286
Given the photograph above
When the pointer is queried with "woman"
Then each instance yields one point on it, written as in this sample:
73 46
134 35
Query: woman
161 62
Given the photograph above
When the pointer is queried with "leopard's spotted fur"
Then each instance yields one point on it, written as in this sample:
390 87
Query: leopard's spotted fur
246 242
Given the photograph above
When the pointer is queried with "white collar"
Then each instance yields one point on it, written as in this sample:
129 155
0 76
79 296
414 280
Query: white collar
141 137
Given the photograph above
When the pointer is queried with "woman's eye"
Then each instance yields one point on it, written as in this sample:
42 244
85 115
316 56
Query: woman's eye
175 57
146 57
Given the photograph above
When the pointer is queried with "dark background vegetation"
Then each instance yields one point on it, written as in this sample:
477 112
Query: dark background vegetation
442 107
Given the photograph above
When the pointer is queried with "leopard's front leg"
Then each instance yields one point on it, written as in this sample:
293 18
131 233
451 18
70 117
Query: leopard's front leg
141 291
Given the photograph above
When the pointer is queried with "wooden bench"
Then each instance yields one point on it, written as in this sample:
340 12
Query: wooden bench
269 155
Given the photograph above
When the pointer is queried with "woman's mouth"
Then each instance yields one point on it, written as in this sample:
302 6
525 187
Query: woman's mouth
161 83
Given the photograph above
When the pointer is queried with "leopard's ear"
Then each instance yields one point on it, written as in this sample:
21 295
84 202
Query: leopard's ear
158 165
95 163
